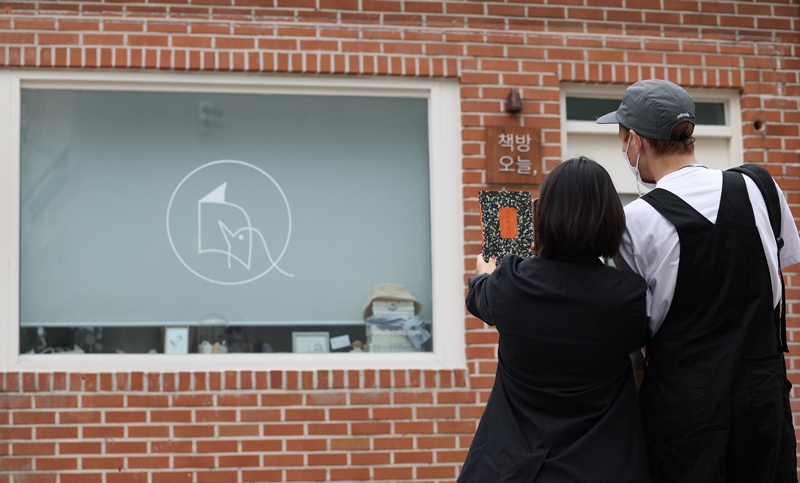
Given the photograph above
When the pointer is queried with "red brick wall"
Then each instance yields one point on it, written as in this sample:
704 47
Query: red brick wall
369 425
249 426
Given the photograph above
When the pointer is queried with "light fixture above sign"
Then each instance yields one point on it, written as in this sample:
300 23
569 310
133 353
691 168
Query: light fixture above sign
513 102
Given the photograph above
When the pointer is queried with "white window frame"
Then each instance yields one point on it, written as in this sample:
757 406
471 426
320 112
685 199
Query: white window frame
732 130
446 218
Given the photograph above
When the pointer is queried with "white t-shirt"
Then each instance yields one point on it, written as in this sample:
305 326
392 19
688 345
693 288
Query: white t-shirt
650 245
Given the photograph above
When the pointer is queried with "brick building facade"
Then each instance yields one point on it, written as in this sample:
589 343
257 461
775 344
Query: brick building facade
272 422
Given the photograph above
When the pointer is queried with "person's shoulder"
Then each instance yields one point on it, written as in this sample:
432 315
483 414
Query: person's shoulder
513 264
623 285
692 181
630 279
638 211
509 265
636 206
514 272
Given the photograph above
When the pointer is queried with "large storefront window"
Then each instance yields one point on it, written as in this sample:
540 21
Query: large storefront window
195 222
282 213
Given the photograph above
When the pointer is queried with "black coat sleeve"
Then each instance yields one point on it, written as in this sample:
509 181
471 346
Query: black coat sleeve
479 297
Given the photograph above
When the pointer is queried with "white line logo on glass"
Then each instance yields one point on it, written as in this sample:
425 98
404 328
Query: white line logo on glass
223 227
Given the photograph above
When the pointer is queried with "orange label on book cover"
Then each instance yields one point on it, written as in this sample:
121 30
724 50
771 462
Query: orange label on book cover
508 223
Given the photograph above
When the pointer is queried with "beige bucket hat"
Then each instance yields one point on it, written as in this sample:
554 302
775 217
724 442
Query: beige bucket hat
390 292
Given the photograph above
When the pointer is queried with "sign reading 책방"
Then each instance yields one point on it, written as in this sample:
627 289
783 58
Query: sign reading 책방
513 155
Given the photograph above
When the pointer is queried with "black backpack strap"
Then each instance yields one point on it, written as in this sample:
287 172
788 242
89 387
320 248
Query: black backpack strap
766 185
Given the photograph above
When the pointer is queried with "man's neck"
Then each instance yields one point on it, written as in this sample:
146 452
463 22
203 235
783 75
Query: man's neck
665 165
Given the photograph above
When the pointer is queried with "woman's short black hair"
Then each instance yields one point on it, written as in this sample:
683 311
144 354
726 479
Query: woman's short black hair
578 212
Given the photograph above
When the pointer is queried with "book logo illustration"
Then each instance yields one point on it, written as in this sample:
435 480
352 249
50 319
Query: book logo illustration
229 246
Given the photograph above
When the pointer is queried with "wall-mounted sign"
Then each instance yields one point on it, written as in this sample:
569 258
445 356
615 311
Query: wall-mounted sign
513 155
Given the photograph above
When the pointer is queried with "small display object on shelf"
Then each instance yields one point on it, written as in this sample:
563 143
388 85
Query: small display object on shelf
310 342
176 340
404 309
391 315
388 340
340 342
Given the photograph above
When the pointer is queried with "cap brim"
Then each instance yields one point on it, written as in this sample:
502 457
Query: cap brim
610 118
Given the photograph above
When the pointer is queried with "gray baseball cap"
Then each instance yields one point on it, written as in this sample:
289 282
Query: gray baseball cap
652 108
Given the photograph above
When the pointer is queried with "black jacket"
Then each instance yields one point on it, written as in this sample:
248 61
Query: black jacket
563 407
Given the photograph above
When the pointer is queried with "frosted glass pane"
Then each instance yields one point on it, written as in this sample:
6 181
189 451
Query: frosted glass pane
282 209
713 152
606 149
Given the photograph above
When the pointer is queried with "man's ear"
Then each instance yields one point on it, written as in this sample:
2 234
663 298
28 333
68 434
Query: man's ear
623 133
640 142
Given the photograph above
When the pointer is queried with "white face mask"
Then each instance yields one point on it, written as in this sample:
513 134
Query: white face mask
635 169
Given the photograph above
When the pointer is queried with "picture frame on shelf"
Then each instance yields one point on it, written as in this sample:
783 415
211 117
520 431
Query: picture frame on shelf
311 342
176 340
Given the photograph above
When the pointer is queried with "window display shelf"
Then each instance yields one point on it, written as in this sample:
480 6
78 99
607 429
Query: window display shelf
191 323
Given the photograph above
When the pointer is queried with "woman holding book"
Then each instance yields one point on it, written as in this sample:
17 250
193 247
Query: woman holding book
563 407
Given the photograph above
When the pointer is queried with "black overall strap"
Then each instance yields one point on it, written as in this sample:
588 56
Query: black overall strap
766 185
734 205
683 216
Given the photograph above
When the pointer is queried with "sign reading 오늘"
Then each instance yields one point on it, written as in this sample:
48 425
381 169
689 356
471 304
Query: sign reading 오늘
513 155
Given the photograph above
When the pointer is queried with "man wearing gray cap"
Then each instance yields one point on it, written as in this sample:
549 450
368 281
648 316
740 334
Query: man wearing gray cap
715 398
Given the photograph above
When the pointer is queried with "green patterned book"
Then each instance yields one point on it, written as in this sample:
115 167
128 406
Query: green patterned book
507 223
